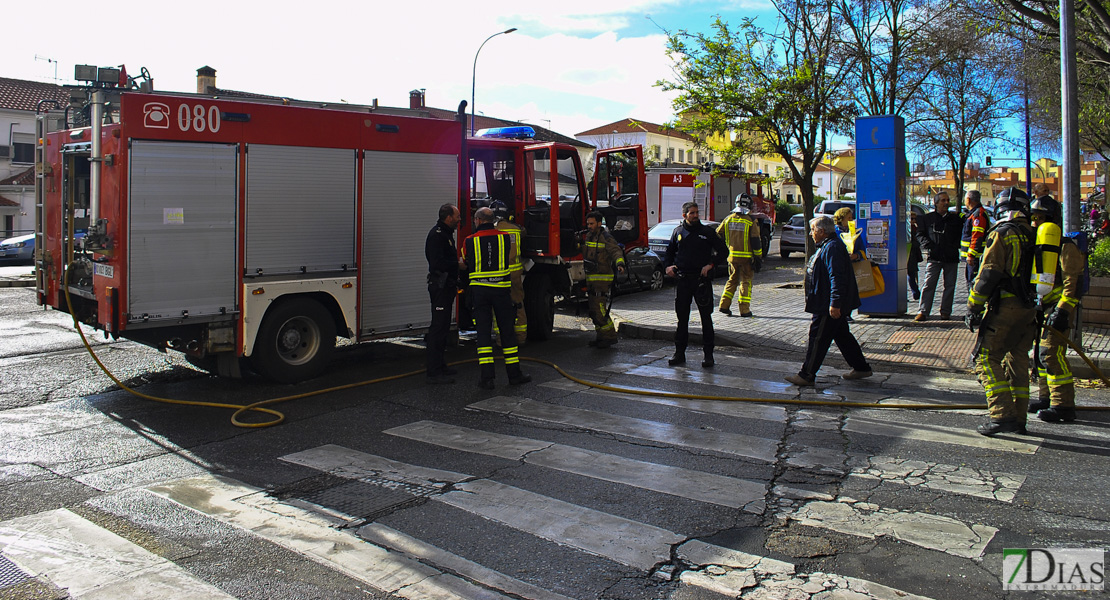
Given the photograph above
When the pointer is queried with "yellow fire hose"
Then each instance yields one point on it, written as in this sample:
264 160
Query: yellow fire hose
279 417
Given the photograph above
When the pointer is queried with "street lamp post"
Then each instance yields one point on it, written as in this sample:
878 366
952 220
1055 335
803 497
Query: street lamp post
474 75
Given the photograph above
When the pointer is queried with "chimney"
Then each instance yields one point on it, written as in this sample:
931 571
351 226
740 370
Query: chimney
206 80
416 99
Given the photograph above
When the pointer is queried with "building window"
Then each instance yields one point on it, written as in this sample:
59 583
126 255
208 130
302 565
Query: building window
23 148
656 151
670 154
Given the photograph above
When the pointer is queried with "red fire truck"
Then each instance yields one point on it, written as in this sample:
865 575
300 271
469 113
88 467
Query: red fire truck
668 188
228 229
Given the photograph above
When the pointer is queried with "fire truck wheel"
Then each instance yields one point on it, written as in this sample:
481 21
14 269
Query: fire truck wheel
295 341
539 305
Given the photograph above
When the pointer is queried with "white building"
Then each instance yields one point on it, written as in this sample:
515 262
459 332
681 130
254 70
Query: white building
18 101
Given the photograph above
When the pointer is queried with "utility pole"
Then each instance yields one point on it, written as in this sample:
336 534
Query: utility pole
1069 118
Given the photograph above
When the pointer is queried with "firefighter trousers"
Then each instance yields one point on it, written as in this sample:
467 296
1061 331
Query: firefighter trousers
494 303
1054 378
599 311
1002 360
520 325
739 274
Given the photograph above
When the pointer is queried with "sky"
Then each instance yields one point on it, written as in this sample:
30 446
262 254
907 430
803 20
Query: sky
572 65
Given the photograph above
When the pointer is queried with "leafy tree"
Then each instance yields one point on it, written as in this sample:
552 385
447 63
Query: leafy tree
783 85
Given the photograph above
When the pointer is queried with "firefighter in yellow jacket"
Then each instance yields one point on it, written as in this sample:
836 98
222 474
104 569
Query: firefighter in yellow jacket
1007 330
486 255
1056 400
745 255
600 253
516 268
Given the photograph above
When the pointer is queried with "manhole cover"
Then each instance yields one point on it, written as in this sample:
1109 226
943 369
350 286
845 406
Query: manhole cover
10 573
366 499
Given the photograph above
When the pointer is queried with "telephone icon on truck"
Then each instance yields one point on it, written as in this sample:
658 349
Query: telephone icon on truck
156 115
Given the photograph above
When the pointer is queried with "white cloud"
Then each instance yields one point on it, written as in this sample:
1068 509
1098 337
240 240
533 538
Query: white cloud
574 62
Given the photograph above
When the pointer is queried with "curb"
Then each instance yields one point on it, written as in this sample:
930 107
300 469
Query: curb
631 330
9 282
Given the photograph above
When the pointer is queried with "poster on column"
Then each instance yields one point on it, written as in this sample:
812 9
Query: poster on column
878 241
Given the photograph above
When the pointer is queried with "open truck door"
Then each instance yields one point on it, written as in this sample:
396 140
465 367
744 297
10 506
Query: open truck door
620 194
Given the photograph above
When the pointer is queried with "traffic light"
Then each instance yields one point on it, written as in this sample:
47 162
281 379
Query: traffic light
988 161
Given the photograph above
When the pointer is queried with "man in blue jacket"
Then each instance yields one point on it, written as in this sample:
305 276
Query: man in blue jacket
831 294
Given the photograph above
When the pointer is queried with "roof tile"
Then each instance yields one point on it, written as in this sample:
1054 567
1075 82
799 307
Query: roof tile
20 94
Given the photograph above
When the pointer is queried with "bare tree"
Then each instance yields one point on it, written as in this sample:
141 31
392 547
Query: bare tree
963 106
894 46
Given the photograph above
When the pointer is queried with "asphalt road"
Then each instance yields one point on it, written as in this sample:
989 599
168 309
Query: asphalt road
547 490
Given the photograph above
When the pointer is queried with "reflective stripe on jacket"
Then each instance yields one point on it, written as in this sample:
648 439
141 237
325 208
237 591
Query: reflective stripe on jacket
602 249
487 254
742 236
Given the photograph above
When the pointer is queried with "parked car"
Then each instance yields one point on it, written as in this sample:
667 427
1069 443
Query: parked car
660 235
793 236
829 207
18 249
643 271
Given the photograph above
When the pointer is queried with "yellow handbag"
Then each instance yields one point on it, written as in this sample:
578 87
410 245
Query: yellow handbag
869 279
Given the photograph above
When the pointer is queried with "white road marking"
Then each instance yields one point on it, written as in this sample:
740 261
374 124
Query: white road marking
622 540
729 443
310 535
926 530
927 432
676 481
89 561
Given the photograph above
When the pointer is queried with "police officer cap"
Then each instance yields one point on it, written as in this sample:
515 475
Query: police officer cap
1009 201
1047 205
499 209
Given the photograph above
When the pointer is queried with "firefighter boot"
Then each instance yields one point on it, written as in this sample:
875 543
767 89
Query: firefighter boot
1055 414
516 376
487 378
992 427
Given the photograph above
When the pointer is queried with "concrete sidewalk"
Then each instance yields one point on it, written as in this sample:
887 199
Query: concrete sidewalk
781 324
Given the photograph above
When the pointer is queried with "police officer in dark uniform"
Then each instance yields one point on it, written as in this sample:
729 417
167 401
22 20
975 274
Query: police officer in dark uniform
693 252
443 285
488 257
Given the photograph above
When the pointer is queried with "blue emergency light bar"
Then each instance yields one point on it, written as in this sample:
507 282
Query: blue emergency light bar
522 132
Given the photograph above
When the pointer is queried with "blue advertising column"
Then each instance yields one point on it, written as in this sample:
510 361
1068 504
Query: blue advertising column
881 208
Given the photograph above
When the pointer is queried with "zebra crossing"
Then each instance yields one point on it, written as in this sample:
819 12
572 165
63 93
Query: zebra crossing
541 431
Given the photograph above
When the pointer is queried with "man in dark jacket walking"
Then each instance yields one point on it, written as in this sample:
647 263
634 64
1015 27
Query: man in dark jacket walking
831 294
693 252
939 233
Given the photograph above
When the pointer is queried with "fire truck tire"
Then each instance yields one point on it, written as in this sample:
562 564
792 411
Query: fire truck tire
295 341
539 305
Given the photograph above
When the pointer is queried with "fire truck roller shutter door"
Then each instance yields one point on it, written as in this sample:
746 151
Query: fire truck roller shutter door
401 195
300 209
182 230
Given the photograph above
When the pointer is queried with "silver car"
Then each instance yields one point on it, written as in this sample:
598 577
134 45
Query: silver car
793 236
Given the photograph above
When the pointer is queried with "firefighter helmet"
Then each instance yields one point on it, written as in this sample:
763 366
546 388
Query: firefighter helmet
1011 202
743 204
1049 206
499 209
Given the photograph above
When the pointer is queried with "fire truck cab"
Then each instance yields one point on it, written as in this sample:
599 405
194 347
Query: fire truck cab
549 195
